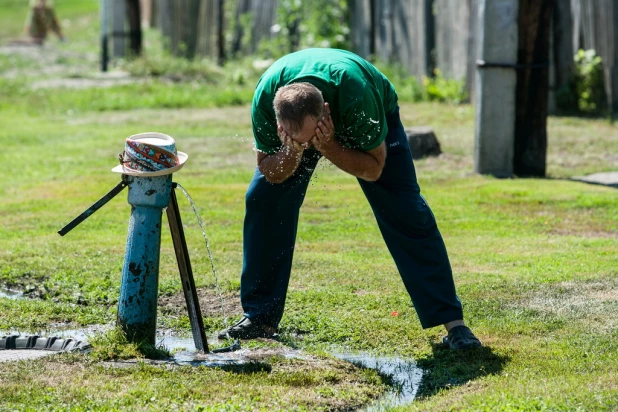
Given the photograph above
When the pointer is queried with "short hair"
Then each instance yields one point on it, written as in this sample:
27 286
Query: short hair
296 101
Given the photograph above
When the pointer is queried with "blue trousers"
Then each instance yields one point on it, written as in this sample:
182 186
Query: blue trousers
405 220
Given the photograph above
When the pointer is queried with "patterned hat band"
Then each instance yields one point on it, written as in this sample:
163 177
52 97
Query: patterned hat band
148 158
150 154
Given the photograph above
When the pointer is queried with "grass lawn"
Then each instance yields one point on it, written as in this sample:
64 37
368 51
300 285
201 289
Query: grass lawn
534 259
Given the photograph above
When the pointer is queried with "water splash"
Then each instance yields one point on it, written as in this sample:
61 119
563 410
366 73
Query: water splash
212 263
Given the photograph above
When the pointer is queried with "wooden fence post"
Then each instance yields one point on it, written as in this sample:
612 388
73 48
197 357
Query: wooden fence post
562 48
599 22
360 27
452 32
119 17
135 26
532 88
206 35
405 34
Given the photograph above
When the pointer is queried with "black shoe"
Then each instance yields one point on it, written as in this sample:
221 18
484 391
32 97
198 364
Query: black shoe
461 337
246 329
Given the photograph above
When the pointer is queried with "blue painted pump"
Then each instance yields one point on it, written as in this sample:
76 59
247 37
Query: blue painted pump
139 288
137 306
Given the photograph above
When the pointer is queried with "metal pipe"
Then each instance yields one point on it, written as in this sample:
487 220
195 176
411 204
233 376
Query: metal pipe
137 306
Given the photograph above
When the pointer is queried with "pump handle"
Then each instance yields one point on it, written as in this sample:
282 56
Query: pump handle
102 201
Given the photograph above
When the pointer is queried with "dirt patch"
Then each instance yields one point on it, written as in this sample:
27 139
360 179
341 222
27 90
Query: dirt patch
211 304
86 83
49 61
593 304
165 116
583 232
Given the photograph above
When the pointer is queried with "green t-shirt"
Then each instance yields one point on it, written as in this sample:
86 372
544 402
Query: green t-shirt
359 96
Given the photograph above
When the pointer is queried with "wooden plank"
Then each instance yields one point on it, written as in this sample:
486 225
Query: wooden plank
599 19
207 29
473 48
164 19
360 27
264 16
452 19
405 34
186 274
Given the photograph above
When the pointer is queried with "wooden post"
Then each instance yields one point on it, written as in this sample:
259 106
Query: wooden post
530 152
135 26
495 87
119 16
562 66
360 27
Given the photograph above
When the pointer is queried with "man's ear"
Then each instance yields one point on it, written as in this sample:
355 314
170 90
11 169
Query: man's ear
280 132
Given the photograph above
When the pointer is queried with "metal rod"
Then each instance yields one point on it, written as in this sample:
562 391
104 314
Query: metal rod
109 196
186 274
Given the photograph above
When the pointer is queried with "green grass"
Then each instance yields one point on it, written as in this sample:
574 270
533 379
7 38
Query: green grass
534 259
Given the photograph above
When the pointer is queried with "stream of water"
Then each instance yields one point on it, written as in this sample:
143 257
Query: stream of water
212 263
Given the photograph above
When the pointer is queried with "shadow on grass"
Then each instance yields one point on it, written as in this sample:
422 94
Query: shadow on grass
446 368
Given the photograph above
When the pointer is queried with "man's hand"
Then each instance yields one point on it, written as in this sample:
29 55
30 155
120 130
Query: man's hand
277 167
366 165
324 138
289 146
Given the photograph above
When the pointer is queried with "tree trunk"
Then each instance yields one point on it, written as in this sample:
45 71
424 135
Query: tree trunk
530 147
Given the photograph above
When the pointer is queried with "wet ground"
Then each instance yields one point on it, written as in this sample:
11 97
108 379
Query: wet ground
403 374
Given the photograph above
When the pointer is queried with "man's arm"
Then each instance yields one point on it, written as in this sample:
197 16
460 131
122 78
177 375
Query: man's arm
364 165
277 167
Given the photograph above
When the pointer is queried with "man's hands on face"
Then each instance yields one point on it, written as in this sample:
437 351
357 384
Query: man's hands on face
324 138
291 147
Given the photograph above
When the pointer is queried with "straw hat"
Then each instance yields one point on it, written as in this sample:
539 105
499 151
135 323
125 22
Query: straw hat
150 154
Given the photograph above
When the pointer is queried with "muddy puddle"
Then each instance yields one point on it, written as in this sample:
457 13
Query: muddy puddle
404 376
11 294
